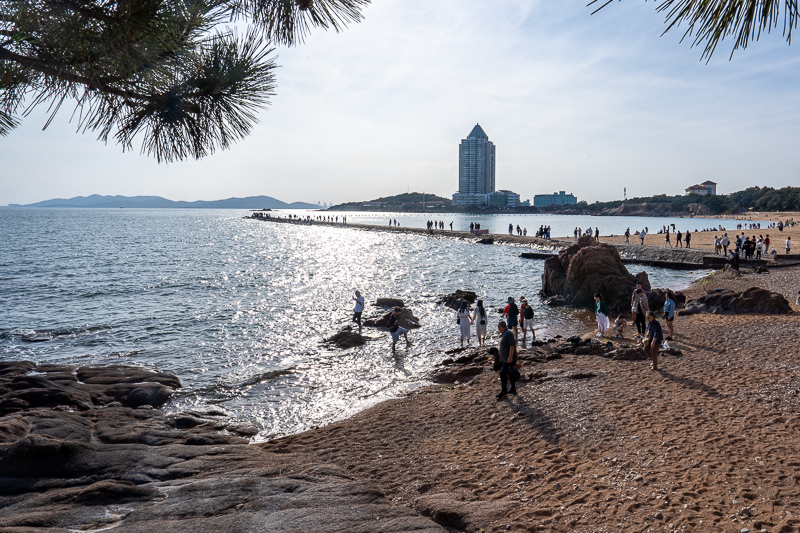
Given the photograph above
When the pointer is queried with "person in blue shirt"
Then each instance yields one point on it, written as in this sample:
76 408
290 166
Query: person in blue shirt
669 314
652 343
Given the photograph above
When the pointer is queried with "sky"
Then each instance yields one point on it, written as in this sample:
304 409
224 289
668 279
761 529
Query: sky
589 104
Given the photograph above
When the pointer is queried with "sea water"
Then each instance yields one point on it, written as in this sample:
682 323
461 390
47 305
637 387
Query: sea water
239 309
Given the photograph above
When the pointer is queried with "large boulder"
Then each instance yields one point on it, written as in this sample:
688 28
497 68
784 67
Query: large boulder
728 302
389 302
585 268
347 338
407 320
453 300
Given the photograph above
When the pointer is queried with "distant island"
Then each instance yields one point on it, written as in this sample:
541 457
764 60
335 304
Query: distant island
144 202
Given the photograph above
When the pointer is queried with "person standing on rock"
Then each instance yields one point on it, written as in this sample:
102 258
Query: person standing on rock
512 315
641 236
652 343
358 309
511 229
479 319
640 308
462 317
601 310
669 314
725 242
508 360
395 329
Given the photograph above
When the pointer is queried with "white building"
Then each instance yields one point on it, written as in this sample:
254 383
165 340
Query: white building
557 198
707 187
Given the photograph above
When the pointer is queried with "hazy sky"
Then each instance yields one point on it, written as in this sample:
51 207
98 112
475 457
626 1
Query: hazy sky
573 101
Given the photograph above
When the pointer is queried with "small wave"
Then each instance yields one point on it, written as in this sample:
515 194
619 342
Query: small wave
267 376
48 334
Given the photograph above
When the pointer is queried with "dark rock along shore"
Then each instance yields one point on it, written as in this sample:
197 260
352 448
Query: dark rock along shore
87 449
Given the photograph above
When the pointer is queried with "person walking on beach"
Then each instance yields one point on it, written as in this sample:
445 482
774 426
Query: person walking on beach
462 317
395 329
669 314
627 235
717 244
526 320
479 319
358 309
679 239
512 315
601 309
652 343
508 361
666 239
640 309
688 239
766 244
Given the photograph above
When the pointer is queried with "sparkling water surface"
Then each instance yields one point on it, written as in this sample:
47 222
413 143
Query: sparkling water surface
238 309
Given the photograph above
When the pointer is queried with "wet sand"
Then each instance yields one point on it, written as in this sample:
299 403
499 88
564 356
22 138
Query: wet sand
711 442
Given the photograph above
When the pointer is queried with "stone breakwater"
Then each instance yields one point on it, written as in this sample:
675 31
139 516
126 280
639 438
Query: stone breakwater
88 449
682 258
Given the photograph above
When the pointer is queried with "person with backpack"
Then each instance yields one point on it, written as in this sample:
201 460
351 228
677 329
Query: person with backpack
479 319
395 329
512 315
526 320
507 360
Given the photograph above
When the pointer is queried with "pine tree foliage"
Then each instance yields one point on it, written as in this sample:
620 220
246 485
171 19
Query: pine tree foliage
709 22
168 74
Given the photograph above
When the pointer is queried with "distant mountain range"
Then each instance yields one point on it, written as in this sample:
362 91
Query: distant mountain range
95 200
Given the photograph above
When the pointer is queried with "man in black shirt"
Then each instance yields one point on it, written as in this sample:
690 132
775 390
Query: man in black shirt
508 359
652 343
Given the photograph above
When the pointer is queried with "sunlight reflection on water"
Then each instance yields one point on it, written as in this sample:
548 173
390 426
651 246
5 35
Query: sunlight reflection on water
238 308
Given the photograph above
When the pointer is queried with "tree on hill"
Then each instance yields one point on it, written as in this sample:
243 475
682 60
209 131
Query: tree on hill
169 71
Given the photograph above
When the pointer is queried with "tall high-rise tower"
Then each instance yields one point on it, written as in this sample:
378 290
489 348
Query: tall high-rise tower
476 163
475 168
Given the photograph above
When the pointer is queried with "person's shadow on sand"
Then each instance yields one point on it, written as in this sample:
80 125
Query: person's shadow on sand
690 383
538 420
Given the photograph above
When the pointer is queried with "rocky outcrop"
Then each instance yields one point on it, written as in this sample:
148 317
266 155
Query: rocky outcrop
585 268
407 320
453 300
728 302
347 338
389 302
75 459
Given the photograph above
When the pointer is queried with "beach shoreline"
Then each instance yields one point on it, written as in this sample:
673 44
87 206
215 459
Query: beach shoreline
591 444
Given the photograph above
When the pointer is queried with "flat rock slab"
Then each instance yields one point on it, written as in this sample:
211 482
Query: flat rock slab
83 461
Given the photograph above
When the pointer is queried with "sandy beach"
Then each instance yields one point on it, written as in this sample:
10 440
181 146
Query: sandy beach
704 240
708 443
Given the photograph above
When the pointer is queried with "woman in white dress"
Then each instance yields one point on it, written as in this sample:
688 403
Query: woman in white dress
464 322
479 319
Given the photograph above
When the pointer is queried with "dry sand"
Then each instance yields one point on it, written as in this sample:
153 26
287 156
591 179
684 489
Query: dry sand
711 442
704 240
